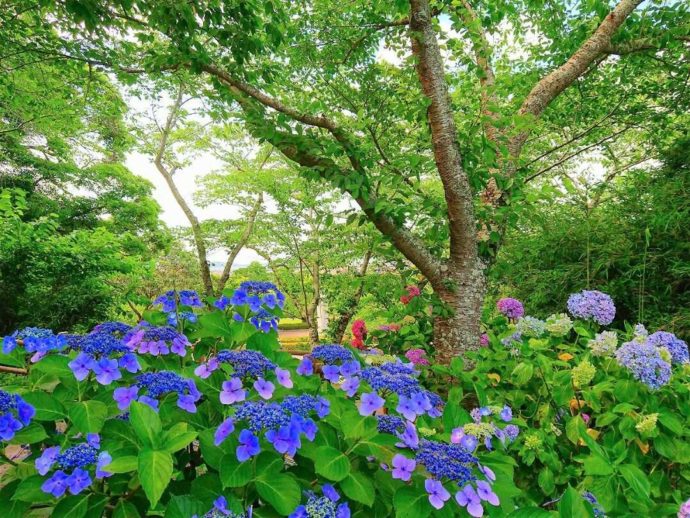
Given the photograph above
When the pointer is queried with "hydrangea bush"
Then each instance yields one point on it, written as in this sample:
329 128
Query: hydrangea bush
195 412
604 413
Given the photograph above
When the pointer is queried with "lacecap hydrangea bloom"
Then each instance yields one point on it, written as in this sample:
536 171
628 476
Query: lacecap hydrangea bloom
604 343
283 424
677 347
530 326
592 304
153 386
15 414
559 324
102 354
511 308
644 362
245 364
35 340
76 465
257 297
156 341
169 300
325 506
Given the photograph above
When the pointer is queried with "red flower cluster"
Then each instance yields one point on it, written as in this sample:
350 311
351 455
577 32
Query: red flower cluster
359 331
412 292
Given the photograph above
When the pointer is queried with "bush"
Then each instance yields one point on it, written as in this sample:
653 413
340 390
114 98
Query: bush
195 412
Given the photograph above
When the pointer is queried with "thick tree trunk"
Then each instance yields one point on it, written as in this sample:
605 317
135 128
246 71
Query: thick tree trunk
461 330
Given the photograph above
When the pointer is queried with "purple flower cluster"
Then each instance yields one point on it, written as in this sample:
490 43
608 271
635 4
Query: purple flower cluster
147 339
259 297
284 424
15 414
645 363
390 424
103 354
677 347
35 340
118 329
401 379
245 364
169 300
154 385
591 304
74 466
332 354
325 506
470 435
511 308
596 507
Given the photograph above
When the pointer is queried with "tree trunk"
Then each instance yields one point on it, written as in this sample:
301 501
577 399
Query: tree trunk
349 312
460 331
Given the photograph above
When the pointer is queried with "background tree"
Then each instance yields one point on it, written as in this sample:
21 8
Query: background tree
376 131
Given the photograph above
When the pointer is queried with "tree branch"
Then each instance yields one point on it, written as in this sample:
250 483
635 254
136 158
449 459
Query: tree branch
456 187
550 86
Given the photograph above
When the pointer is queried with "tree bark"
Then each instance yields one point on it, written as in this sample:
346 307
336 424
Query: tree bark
351 308
167 174
248 229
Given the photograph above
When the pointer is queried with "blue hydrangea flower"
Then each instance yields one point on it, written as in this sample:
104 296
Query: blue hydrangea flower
530 326
449 461
220 510
594 305
245 364
75 464
15 414
155 385
325 506
677 347
156 340
103 354
34 340
332 354
596 507
119 329
645 363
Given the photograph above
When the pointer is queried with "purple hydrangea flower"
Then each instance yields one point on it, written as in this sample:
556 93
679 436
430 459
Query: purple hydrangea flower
264 388
305 367
511 308
403 467
222 432
331 373
249 446
592 304
283 376
370 403
350 386
232 392
469 499
125 395
438 495
677 347
645 363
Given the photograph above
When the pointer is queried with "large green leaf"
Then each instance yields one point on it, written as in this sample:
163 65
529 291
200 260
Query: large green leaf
359 487
184 507
48 408
155 472
411 502
30 434
72 507
234 473
125 509
178 437
331 463
88 416
281 491
123 464
636 479
572 505
146 423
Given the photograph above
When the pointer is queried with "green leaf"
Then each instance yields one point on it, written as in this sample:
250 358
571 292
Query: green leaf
234 473
72 507
215 325
281 491
358 487
177 438
48 408
30 434
596 465
123 464
88 416
155 472
546 481
331 463
29 490
636 479
522 373
184 507
126 510
411 502
529 512
572 505
671 423
146 423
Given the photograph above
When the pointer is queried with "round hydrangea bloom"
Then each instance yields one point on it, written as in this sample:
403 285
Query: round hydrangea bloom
604 343
484 340
677 347
511 308
592 304
530 326
645 364
15 414
684 510
417 356
559 325
583 374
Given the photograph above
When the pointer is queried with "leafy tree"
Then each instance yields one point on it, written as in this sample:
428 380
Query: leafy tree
378 131
627 237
